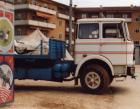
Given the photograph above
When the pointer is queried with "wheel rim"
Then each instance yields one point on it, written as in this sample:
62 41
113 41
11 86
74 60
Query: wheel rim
93 80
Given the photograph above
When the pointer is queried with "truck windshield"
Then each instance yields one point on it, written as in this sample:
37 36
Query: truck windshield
88 31
113 30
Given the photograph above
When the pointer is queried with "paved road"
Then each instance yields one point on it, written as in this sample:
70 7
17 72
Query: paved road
48 95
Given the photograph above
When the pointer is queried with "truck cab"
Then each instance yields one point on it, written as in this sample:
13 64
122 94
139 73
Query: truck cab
103 51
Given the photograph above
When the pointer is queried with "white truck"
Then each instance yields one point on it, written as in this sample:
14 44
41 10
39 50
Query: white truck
103 51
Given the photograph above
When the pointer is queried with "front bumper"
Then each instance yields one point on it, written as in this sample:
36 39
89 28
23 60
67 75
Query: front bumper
131 71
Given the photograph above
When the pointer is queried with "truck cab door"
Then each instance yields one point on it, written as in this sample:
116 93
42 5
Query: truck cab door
113 43
87 41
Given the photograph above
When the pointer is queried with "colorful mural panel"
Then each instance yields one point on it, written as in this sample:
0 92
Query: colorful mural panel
6 51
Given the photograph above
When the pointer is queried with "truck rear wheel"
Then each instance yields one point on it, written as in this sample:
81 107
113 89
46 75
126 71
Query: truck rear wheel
111 80
94 79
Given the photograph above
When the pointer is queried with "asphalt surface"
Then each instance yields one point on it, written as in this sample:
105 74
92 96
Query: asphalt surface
48 95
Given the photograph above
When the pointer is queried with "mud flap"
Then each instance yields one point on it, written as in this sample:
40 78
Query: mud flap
6 51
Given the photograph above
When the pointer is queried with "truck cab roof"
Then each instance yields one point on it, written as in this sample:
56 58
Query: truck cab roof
91 20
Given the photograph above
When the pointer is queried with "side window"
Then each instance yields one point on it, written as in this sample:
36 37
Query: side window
88 31
111 30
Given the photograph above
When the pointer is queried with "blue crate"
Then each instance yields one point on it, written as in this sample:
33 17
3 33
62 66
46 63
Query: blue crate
57 49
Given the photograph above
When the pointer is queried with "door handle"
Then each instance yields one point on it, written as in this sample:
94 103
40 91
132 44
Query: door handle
85 55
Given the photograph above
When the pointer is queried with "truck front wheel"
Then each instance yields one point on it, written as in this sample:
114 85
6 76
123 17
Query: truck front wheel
94 78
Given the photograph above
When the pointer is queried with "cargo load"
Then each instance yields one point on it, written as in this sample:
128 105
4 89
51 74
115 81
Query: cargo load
37 43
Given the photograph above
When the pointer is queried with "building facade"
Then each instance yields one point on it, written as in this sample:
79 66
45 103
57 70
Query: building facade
50 17
131 14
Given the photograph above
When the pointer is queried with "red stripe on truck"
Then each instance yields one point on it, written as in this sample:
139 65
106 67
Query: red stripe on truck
103 43
88 52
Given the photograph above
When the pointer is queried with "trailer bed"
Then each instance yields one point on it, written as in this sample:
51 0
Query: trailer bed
51 67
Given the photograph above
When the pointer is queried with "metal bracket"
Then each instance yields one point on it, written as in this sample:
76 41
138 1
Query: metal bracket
120 79
76 81
133 77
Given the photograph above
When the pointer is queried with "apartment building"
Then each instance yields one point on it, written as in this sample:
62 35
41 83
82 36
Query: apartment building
52 18
131 14
7 1
47 15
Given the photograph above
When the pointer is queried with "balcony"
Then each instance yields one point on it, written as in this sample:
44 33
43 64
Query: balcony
35 23
7 5
35 7
128 20
67 30
138 19
64 16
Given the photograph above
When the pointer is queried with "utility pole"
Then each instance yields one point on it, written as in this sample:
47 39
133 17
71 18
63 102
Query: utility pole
70 27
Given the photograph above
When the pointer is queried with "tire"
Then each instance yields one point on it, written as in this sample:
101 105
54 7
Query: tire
94 79
111 80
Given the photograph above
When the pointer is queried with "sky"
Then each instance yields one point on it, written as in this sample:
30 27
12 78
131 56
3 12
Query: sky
97 3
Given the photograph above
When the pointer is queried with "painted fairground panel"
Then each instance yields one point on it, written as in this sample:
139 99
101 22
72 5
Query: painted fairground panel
6 32
6 79
6 48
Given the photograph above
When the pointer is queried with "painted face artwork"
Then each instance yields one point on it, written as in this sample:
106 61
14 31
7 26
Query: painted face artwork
6 34
6 76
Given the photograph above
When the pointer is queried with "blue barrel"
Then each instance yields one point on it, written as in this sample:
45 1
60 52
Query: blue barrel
61 70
